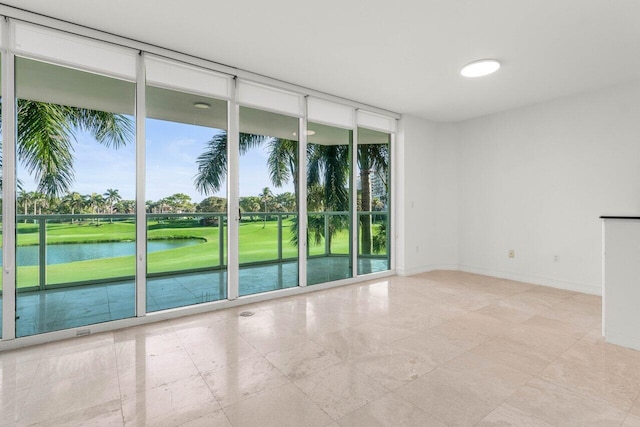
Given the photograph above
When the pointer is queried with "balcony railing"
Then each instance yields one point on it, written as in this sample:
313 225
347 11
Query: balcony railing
39 236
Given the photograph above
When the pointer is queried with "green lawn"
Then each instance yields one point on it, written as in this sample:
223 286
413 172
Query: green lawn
258 242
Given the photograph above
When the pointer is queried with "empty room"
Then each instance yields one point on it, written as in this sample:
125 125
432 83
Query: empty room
294 213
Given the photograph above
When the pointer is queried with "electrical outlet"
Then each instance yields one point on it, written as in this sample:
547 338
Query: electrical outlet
512 253
556 258
417 248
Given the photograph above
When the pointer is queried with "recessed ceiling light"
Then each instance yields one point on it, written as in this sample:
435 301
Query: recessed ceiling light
308 133
480 68
202 105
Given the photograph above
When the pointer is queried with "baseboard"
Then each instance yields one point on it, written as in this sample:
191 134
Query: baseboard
425 269
629 342
536 280
527 278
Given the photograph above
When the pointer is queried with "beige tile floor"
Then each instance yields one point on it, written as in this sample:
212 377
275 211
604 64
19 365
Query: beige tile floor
442 348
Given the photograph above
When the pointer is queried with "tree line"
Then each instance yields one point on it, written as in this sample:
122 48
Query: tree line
110 202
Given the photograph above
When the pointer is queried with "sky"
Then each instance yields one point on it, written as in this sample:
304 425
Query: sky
172 150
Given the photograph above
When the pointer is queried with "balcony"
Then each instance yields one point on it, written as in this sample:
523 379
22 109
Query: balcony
76 270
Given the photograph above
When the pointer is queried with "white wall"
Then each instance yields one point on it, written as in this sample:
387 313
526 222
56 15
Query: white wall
427 171
535 180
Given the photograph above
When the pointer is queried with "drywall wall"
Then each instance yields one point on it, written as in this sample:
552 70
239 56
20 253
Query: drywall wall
536 180
427 174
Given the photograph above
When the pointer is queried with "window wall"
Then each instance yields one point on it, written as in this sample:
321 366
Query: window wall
144 184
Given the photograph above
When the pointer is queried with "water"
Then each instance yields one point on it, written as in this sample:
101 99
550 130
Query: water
61 254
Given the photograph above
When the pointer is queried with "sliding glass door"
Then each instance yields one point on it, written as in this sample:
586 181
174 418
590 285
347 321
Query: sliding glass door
76 227
373 201
186 204
268 229
329 214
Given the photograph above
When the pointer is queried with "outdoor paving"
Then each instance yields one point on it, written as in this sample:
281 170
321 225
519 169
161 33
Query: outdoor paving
64 308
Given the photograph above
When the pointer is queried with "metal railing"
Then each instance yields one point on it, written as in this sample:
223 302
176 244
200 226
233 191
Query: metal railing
42 220
207 219
376 218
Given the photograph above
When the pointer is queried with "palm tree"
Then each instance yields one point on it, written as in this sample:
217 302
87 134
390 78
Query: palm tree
25 200
372 158
95 201
328 172
37 198
265 197
125 206
46 133
77 202
74 201
328 169
283 164
111 197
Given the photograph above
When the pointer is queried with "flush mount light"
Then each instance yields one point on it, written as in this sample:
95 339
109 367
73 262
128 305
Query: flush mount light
308 133
480 68
202 105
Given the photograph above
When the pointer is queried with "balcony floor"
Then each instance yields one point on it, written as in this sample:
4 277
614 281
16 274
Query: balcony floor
64 308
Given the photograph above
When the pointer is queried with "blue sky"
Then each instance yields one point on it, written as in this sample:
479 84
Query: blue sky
172 150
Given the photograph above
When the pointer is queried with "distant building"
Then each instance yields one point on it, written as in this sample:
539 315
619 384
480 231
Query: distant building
377 187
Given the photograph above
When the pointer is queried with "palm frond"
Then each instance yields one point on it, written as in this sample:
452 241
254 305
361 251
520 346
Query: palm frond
109 129
249 141
314 167
282 160
212 165
44 145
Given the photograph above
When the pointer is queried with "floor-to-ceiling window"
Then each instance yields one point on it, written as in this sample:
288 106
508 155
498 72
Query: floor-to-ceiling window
373 200
329 151
268 200
1 204
186 202
76 228
307 180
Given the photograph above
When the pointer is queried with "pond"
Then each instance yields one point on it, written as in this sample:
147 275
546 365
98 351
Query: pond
61 254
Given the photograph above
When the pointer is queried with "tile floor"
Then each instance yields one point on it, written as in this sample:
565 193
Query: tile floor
437 349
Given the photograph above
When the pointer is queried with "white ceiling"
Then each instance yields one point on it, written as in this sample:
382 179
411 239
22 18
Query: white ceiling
402 55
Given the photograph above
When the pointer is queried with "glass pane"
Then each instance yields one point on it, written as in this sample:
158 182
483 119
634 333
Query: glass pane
75 217
328 203
373 201
1 204
186 199
268 201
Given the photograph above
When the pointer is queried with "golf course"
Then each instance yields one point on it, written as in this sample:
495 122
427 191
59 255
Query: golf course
198 246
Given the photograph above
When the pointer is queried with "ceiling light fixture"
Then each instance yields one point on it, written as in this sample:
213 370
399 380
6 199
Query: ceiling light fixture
202 105
308 133
480 68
